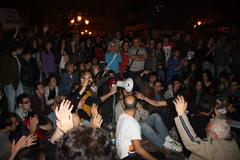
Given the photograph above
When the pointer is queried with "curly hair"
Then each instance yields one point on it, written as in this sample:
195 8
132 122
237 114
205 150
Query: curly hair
85 144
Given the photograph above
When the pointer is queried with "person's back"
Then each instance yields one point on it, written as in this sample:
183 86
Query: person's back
220 150
127 129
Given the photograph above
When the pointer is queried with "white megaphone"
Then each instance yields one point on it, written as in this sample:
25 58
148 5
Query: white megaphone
127 84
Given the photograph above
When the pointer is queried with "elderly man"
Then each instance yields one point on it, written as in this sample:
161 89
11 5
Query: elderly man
218 146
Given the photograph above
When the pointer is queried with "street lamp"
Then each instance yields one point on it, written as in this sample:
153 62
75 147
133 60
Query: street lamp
79 20
86 21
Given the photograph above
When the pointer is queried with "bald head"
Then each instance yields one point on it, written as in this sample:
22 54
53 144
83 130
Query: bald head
130 102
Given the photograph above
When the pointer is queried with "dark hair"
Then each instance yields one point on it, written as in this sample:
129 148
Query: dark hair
153 74
209 74
132 104
158 81
86 144
50 77
30 153
206 103
174 79
35 87
17 45
6 120
20 98
68 63
224 75
111 72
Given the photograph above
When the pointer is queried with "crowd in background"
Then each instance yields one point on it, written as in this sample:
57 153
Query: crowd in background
41 69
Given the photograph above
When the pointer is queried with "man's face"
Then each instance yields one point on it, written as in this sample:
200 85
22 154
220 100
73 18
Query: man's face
157 87
87 77
70 68
177 84
152 44
152 78
41 89
136 42
177 54
25 104
233 86
210 133
19 50
27 57
14 124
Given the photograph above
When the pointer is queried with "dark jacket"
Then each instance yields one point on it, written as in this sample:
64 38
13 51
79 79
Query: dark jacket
9 70
29 72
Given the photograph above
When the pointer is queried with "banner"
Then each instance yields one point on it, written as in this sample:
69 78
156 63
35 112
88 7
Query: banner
9 18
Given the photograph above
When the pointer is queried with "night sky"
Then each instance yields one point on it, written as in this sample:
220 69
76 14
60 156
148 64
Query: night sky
107 13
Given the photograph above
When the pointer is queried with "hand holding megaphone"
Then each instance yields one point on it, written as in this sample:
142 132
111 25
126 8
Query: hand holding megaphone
113 89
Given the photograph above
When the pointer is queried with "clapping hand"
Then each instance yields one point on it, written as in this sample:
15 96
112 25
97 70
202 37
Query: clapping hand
64 116
22 143
180 105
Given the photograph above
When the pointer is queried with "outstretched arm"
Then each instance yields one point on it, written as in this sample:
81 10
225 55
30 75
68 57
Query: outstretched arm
151 101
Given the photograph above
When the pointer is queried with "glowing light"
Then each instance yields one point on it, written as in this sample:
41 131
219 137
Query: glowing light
72 21
90 33
79 18
86 30
194 26
86 22
82 33
199 23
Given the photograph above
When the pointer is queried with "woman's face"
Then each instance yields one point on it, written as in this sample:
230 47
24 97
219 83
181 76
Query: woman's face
205 77
125 47
112 48
198 86
53 82
159 45
49 45
35 44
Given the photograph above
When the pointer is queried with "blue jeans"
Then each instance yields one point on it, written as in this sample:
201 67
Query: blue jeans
154 130
11 94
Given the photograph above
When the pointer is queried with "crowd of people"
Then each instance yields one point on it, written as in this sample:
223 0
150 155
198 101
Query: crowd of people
59 97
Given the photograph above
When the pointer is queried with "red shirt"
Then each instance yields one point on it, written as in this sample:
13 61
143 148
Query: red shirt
123 65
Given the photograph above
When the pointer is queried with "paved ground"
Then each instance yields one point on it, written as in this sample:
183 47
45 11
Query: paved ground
157 151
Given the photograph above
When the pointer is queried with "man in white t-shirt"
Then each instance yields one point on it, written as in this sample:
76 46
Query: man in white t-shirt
128 133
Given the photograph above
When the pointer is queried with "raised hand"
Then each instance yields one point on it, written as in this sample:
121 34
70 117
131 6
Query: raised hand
96 121
64 116
94 110
33 123
81 103
180 105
